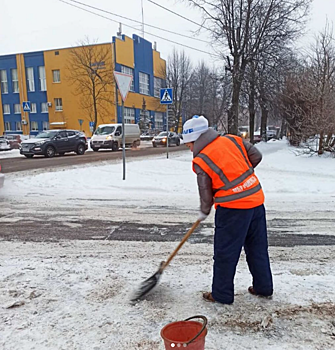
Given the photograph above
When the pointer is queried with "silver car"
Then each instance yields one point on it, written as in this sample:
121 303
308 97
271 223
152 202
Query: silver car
4 144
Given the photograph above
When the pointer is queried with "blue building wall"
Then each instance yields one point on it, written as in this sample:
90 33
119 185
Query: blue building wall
7 63
143 61
35 60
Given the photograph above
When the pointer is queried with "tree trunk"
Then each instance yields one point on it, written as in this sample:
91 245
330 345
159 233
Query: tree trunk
264 121
95 110
252 112
332 143
233 110
283 128
321 143
264 115
329 141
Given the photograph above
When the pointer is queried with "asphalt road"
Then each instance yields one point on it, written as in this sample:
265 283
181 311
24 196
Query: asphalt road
30 222
11 165
49 229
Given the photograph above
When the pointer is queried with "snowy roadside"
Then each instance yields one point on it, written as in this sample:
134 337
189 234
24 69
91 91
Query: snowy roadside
15 153
74 295
157 188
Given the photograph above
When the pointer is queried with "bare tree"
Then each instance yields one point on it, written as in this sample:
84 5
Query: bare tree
323 64
179 74
247 28
198 91
90 70
308 97
219 94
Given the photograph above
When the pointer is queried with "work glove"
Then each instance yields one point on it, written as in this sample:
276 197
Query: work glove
202 216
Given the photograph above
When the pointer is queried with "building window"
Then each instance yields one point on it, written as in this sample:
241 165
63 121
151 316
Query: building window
158 85
159 120
45 125
30 79
33 126
6 109
56 53
33 108
7 126
43 81
56 76
129 71
58 104
18 126
15 80
129 115
17 108
44 107
144 84
4 82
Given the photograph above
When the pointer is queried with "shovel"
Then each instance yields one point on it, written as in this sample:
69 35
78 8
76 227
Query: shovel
146 286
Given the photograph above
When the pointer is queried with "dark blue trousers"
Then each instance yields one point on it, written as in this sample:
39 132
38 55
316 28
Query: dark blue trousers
234 229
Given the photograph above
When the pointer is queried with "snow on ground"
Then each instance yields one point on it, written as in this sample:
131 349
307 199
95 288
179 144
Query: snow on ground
74 294
291 184
14 153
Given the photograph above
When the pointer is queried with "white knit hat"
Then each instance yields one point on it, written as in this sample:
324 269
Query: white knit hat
194 127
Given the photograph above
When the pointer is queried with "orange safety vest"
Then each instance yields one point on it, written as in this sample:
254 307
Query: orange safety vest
234 183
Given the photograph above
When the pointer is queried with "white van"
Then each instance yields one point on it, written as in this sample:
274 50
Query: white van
109 136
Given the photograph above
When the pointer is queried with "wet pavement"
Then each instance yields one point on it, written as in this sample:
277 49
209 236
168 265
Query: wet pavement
281 232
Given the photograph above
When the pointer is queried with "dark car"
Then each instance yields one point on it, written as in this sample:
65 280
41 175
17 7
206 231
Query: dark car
51 142
161 139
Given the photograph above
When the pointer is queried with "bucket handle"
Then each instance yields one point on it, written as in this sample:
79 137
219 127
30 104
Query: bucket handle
202 329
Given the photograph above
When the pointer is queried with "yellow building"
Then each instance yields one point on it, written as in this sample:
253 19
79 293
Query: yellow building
74 88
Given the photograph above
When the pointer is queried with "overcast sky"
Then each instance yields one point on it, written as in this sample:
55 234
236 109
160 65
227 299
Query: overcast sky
47 24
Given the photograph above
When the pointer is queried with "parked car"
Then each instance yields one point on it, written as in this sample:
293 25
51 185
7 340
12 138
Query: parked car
161 139
52 142
146 136
272 132
109 136
14 140
257 136
4 144
243 131
2 178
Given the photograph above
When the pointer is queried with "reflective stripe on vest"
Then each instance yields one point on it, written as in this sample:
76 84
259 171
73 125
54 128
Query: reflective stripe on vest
228 184
239 195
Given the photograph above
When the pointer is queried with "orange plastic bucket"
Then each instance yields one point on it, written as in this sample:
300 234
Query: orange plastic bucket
185 334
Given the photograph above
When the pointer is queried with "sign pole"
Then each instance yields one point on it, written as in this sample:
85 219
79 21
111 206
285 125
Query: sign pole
166 96
123 82
167 130
123 142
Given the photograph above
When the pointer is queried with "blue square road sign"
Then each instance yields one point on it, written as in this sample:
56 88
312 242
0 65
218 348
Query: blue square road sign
26 106
166 96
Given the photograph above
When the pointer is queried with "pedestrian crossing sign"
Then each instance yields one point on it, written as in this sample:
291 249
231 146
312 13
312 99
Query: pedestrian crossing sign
26 106
166 96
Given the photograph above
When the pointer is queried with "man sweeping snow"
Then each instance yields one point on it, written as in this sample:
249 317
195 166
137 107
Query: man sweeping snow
225 174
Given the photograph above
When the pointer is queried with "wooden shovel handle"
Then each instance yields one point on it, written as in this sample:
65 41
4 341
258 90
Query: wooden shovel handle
185 238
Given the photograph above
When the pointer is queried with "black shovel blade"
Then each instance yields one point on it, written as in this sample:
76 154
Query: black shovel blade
147 285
